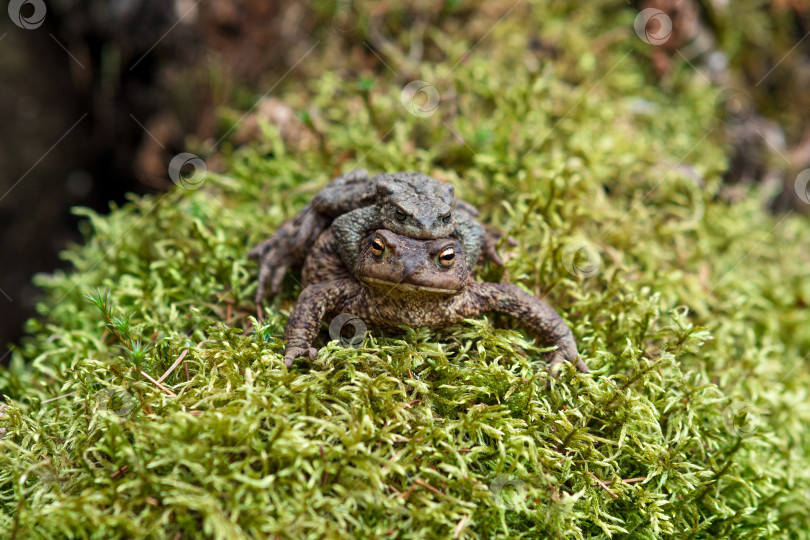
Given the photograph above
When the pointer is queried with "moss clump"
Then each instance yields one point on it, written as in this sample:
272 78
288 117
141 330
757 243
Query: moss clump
690 312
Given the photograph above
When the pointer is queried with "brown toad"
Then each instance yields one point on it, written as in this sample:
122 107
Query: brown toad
401 281
408 203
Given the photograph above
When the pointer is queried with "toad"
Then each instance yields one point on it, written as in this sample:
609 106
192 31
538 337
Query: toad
410 204
401 281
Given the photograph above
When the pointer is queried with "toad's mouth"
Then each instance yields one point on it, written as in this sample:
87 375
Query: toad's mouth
410 287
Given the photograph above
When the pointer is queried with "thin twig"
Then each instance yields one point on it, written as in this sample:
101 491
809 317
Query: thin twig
637 479
408 405
603 484
58 397
176 363
460 526
153 381
428 486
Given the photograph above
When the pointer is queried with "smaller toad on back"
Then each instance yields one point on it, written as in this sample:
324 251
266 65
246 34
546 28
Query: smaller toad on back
415 205
407 203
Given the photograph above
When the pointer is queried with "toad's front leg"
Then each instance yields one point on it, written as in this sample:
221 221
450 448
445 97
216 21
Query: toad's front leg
349 230
532 312
313 304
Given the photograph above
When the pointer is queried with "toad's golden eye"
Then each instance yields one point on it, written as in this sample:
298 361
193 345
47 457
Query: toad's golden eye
447 219
377 246
447 256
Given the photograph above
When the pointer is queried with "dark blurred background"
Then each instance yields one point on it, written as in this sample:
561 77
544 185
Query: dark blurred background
97 96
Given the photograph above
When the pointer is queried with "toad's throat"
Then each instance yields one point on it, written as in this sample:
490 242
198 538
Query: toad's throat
410 287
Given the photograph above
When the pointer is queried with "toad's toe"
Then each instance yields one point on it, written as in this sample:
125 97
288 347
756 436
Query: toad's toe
293 353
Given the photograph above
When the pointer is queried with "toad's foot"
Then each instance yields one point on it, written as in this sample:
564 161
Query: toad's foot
556 359
491 239
293 353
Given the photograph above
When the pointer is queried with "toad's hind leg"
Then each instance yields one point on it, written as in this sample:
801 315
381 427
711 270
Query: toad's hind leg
287 248
539 317
275 257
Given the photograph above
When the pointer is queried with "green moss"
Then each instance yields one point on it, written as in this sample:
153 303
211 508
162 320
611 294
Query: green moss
693 323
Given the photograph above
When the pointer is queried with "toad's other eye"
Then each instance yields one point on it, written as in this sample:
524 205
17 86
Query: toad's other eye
447 219
401 216
377 246
447 257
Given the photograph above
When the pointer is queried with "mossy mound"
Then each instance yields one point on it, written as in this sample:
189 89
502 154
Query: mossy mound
691 313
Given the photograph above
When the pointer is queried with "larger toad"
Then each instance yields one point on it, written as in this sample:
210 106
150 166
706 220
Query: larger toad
401 281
